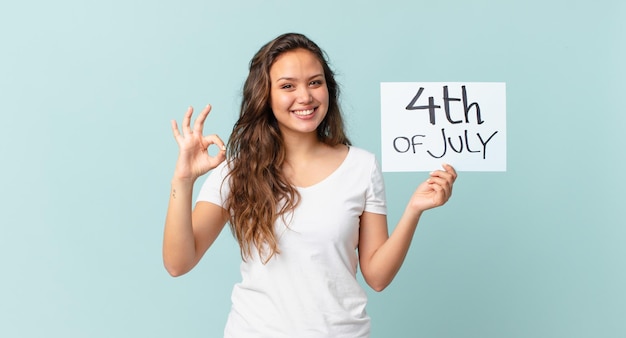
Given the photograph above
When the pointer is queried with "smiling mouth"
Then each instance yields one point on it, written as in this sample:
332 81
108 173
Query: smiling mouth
303 112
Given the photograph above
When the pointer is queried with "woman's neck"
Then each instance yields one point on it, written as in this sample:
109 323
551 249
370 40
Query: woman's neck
300 147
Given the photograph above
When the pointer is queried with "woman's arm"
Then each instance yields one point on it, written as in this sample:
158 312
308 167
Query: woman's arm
188 234
381 255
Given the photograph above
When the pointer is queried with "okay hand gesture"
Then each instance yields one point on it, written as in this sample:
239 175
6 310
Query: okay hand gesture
193 157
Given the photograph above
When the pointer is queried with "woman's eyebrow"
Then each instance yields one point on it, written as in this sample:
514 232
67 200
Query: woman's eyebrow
289 78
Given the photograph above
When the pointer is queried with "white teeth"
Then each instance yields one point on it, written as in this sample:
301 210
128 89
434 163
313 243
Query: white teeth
303 112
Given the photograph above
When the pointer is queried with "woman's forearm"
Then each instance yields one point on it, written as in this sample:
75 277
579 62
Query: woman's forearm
388 258
179 250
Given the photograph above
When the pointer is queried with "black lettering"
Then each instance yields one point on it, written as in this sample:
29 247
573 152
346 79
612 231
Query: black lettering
467 144
414 143
452 145
485 143
479 119
446 105
445 147
431 105
395 144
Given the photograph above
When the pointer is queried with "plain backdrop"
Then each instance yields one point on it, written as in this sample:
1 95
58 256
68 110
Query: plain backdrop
88 89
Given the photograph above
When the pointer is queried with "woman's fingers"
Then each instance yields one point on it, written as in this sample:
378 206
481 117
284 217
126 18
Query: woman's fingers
441 189
214 139
450 170
175 130
198 125
187 121
442 181
218 158
448 175
436 190
194 159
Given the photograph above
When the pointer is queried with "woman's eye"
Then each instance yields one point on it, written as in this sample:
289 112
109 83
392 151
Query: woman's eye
315 82
286 86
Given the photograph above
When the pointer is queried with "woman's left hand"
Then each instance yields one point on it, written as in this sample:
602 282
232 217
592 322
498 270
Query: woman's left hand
435 191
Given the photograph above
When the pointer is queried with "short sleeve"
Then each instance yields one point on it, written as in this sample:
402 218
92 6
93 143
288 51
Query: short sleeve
375 201
215 188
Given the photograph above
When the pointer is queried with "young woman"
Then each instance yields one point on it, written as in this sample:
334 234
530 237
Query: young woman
305 206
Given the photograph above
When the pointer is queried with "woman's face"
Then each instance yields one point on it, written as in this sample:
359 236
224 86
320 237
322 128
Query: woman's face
298 94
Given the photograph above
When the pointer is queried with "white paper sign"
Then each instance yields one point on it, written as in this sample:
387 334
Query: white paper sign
425 124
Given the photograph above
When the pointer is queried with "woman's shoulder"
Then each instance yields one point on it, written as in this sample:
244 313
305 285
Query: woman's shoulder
361 160
362 154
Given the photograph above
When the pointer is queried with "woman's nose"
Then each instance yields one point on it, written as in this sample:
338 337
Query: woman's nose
304 96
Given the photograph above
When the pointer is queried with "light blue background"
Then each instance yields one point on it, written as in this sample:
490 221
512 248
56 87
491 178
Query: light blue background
87 90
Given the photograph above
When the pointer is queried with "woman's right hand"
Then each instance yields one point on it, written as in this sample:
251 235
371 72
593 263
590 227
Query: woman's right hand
193 157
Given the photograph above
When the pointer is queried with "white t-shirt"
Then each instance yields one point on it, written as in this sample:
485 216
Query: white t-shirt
310 288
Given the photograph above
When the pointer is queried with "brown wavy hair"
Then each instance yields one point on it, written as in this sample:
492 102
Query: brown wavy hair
259 191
